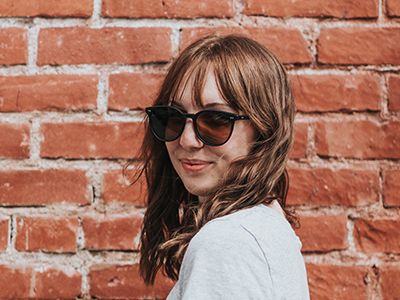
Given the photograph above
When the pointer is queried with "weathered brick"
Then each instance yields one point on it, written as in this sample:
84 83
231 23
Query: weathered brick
3 234
13 46
359 139
15 283
55 284
348 46
393 8
322 93
81 45
390 282
47 234
313 8
14 140
121 190
41 187
133 91
332 90
167 8
325 187
300 141
48 92
394 93
287 43
91 140
48 8
391 188
328 282
379 235
123 282
331 234
112 233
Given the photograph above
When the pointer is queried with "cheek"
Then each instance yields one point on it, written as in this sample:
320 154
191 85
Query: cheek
240 142
170 149
249 133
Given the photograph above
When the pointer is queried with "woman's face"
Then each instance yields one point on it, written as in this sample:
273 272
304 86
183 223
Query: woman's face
201 167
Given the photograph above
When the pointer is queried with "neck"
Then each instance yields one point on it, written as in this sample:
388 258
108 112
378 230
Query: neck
202 199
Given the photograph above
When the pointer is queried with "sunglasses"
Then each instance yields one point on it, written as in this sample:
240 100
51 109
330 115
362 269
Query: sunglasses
212 127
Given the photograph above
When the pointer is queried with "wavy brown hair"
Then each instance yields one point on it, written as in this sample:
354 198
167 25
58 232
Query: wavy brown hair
251 80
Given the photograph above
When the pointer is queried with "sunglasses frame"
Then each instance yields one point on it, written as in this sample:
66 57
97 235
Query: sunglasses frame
231 116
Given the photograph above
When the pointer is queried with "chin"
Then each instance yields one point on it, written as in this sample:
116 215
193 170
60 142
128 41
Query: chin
199 191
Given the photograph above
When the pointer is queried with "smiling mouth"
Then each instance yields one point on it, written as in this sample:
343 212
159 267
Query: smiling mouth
194 165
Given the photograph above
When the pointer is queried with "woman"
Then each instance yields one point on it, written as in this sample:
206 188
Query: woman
214 158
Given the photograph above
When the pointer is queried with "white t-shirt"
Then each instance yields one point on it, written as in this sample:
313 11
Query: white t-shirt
250 254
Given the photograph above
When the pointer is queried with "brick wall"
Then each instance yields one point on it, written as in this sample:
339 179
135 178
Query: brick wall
73 74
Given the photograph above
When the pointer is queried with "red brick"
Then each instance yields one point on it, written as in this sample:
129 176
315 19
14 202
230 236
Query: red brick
359 139
91 140
123 282
133 91
331 234
348 46
321 93
300 141
311 8
80 45
167 8
47 234
119 189
391 188
394 93
48 8
325 187
393 8
287 43
381 235
15 283
3 234
48 92
390 282
14 140
41 187
112 233
55 284
328 282
14 46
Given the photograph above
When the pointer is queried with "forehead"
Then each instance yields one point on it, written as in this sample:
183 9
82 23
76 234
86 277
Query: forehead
208 93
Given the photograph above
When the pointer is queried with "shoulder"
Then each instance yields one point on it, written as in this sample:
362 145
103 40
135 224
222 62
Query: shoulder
259 224
224 261
252 252
271 229
257 231
252 235
223 236
235 229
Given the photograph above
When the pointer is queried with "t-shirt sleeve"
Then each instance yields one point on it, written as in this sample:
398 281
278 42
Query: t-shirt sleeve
223 261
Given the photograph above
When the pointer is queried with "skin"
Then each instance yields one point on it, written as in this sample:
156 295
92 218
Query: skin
201 167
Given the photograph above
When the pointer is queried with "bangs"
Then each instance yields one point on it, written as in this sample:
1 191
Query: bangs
229 66
227 75
194 76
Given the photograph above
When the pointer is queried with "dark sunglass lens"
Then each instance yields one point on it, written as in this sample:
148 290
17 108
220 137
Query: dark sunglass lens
167 123
214 127
176 123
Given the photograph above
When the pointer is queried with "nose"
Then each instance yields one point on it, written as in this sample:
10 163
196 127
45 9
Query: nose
189 139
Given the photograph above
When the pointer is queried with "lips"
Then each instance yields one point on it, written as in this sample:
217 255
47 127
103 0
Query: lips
194 165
